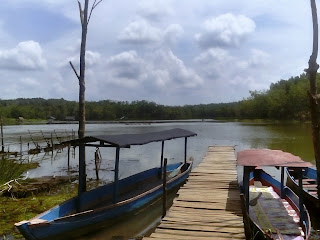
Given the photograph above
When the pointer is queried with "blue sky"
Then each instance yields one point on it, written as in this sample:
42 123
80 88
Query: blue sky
171 52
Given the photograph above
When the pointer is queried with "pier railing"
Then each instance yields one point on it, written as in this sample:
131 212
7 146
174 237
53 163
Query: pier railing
36 141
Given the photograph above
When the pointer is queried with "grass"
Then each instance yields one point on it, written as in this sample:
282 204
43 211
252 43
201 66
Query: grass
14 210
13 169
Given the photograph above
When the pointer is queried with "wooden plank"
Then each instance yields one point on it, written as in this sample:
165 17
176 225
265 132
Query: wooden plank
208 206
205 228
187 237
195 234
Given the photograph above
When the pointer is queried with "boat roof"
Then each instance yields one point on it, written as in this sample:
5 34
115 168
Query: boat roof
126 140
268 157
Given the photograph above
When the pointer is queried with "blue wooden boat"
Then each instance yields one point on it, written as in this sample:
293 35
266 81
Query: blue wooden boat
309 183
274 210
92 208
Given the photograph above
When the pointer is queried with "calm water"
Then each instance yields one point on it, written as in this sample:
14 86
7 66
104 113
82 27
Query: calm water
290 137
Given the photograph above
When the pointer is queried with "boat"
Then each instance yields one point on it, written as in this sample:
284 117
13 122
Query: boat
273 210
90 209
309 183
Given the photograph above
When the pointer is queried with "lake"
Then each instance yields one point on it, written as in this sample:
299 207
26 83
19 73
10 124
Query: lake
291 137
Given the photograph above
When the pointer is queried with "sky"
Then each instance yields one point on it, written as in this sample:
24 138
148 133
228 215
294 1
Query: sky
172 52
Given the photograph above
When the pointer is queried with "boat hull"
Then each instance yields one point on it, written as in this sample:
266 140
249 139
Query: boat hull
55 225
309 188
288 195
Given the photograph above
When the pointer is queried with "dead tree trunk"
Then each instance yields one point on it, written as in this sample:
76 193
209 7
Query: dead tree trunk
85 18
82 88
313 95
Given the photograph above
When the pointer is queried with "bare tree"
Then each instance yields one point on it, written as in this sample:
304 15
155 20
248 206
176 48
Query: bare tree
84 18
313 95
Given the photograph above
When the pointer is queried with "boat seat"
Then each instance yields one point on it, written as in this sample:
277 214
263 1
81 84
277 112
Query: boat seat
313 192
310 186
307 181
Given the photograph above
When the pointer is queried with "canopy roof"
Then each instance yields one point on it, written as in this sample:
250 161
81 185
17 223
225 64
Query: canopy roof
126 140
267 157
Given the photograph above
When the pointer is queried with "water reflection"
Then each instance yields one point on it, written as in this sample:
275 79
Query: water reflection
139 224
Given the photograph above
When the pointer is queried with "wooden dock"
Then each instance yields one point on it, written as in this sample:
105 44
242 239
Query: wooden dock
208 205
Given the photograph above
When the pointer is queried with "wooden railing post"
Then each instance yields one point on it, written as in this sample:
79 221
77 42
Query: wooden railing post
164 195
2 138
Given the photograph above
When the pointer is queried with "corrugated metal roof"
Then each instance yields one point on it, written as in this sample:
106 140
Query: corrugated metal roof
126 140
267 157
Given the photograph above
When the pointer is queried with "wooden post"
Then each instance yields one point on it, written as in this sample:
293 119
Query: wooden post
96 160
82 169
2 138
300 194
161 166
68 156
185 150
116 177
246 178
282 183
246 218
20 147
51 143
164 187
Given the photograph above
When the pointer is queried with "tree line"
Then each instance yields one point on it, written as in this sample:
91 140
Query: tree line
284 100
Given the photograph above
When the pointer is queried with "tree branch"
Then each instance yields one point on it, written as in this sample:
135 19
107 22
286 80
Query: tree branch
75 71
313 66
93 7
81 12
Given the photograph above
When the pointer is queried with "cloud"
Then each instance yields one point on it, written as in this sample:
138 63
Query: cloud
157 72
219 66
226 30
214 62
29 82
92 58
154 10
140 32
178 75
127 67
171 34
25 56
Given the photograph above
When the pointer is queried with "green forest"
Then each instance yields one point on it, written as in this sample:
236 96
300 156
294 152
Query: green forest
284 100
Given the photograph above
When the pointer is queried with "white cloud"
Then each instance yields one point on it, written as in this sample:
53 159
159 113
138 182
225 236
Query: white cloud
25 56
227 30
92 58
29 82
179 75
171 34
232 74
140 32
215 62
154 10
157 72
126 65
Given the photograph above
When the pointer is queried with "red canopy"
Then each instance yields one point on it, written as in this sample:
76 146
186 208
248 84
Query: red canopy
267 157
